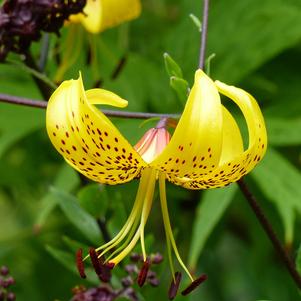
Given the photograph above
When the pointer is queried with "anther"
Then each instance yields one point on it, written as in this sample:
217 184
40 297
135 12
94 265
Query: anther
105 274
103 270
143 272
194 284
95 262
174 286
80 263
110 265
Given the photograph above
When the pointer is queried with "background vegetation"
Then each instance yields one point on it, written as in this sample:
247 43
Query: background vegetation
258 47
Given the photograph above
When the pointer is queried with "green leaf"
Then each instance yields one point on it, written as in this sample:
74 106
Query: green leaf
284 132
74 245
94 199
251 39
208 63
243 48
81 219
65 258
68 261
172 68
16 122
298 260
209 212
196 21
280 182
181 87
66 179
33 72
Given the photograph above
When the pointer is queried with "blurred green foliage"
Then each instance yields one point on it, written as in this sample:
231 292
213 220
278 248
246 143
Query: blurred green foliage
46 210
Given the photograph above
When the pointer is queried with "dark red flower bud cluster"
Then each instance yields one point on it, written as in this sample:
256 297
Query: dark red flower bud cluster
22 21
6 281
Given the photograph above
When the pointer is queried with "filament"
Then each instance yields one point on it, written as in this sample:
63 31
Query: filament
167 226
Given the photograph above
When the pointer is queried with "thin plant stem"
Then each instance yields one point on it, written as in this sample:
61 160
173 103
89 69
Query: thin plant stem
44 51
204 34
120 114
266 225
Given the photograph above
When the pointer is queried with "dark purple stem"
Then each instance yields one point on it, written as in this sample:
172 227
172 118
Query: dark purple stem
120 114
270 232
204 34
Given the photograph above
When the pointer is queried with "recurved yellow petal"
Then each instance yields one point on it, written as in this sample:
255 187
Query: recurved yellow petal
232 170
102 14
115 12
105 97
92 16
232 140
195 147
87 139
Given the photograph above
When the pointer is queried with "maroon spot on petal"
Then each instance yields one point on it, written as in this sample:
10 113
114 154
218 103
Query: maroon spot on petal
63 142
54 134
74 148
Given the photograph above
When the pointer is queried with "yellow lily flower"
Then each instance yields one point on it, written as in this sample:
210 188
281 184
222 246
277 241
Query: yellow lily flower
99 15
205 151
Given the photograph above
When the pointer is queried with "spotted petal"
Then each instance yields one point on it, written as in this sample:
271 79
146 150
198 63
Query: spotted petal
232 168
86 138
102 14
195 147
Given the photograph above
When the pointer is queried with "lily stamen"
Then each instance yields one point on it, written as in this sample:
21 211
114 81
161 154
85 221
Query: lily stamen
143 272
80 263
174 286
194 285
